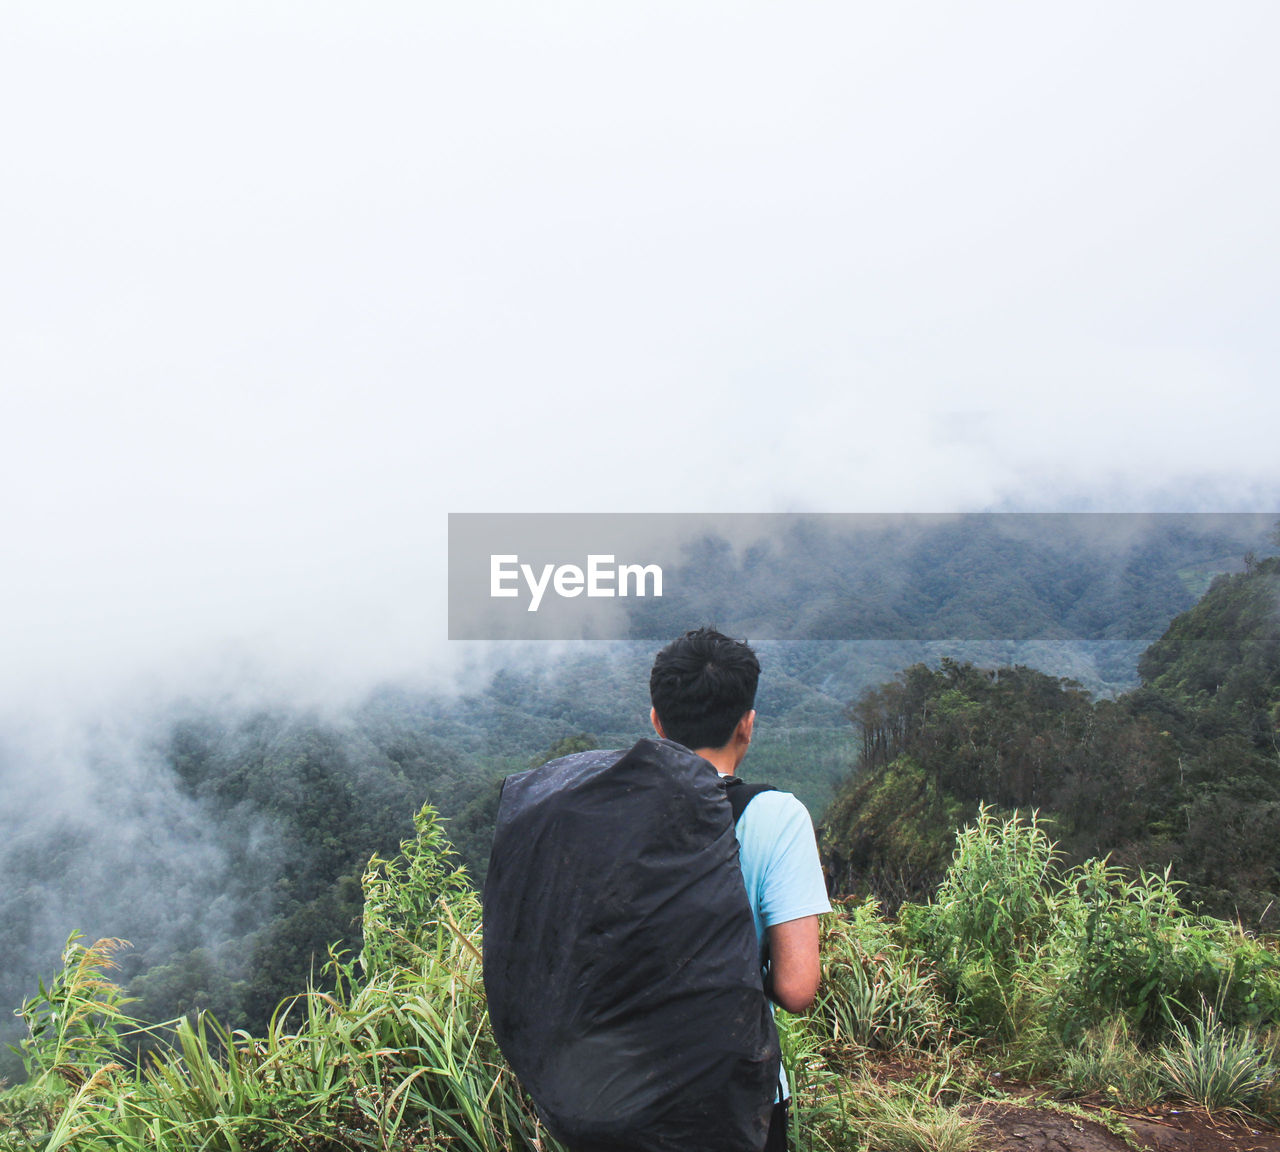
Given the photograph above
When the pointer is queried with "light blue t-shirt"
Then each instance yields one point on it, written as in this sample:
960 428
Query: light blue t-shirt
779 857
780 866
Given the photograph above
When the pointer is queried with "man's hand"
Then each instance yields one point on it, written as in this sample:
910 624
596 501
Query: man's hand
793 963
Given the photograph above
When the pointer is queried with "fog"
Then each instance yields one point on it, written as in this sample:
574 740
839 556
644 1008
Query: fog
285 286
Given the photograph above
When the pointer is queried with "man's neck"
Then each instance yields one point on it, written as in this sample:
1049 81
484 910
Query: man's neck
725 760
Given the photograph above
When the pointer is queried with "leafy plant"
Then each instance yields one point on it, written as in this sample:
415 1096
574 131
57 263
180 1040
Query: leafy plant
407 899
1035 957
998 899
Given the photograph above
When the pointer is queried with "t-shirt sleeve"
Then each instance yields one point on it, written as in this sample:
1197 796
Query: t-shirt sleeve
789 878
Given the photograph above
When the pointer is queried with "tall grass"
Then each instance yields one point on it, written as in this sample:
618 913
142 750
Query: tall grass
1108 1060
1215 1065
1099 979
874 993
78 1021
399 1056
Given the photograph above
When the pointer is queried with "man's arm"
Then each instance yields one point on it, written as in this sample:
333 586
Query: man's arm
793 963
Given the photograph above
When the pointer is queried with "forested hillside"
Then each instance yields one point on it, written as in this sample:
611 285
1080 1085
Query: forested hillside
290 805
1182 772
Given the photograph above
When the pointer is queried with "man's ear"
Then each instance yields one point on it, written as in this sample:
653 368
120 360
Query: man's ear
745 725
657 724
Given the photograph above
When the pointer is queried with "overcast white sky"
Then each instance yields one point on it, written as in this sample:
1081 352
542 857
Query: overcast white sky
285 283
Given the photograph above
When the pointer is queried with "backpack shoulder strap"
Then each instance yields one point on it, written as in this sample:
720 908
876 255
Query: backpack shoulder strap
741 794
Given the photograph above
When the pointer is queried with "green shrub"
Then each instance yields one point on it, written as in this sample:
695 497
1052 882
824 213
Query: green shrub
1034 957
999 898
1140 953
992 929
411 900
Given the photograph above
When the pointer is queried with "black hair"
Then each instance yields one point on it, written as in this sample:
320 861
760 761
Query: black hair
701 685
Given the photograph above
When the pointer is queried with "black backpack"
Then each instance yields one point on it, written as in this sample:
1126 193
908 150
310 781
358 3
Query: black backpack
620 957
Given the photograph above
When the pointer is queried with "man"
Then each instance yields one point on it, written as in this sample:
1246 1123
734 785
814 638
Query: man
702 688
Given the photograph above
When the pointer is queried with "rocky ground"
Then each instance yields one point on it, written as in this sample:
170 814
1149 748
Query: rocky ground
1016 1127
1029 1118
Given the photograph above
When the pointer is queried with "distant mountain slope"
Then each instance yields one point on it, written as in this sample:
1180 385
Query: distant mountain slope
1223 658
1183 771
1010 576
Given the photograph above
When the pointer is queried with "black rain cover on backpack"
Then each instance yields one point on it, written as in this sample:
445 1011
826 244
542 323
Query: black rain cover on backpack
620 957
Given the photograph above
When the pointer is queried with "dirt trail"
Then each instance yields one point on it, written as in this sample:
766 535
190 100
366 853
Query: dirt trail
1017 1128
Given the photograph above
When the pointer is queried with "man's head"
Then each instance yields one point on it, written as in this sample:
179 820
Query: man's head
701 687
